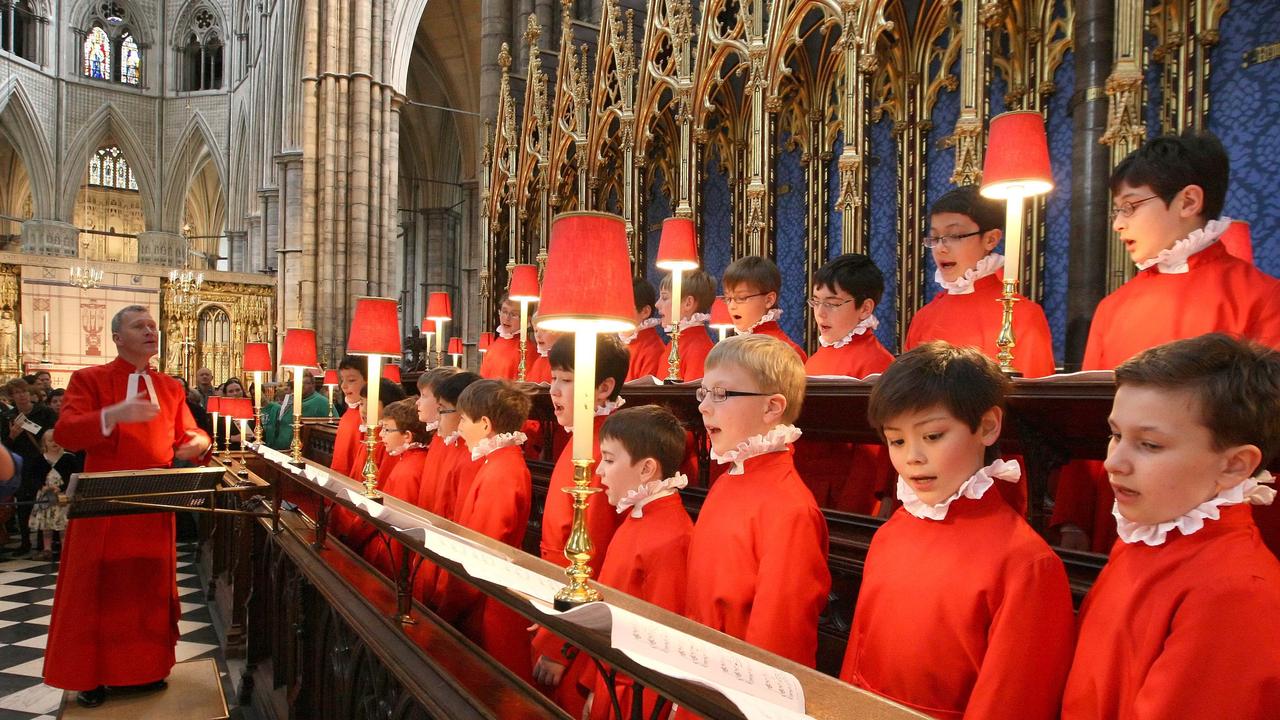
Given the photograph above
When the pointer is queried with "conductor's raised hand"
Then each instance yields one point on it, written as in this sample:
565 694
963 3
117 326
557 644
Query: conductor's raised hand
137 409
195 445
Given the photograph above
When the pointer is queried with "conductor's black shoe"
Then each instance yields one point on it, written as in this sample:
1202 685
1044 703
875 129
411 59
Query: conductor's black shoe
92 698
138 689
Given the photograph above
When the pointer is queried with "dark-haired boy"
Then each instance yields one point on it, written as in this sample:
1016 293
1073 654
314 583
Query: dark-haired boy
964 229
963 611
698 292
351 381
503 357
648 354
1179 622
751 288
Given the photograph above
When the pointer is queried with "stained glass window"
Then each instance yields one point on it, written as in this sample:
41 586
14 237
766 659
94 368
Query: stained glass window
95 170
97 54
130 61
108 168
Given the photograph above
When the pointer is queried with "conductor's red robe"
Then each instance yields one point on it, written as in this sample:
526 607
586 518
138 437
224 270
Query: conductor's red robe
759 553
648 355
649 560
974 320
401 483
1182 630
969 616
115 609
497 504
695 345
348 439
774 330
502 361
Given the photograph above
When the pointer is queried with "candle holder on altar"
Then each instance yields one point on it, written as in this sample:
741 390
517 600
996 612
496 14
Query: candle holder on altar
677 253
1016 167
375 332
585 299
524 290
298 354
257 360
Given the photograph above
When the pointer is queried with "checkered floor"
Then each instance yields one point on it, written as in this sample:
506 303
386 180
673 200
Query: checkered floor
26 597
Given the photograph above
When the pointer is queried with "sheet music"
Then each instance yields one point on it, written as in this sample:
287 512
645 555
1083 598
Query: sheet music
483 563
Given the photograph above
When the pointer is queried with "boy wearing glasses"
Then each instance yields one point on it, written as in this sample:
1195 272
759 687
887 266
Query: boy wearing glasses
648 352
405 437
503 358
964 229
759 548
751 287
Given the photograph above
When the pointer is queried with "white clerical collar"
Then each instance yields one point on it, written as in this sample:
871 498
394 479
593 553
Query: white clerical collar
497 442
771 316
144 377
646 493
868 323
500 332
453 438
628 337
604 410
973 488
963 285
1253 491
544 353
776 440
694 320
404 449
1173 260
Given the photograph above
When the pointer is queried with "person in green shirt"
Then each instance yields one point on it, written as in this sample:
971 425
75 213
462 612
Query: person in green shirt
277 417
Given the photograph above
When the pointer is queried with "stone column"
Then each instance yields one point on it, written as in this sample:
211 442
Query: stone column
495 29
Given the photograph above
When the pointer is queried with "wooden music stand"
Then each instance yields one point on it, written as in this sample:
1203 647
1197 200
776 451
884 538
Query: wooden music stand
131 492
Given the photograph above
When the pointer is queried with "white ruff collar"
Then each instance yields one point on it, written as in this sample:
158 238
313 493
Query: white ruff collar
607 408
628 337
432 426
506 335
870 323
453 438
646 493
776 440
1252 491
695 320
544 353
1173 260
770 316
404 449
963 285
973 488
497 442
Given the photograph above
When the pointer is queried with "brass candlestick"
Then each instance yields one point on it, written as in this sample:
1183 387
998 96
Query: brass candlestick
1005 340
578 549
370 472
371 418
524 337
677 311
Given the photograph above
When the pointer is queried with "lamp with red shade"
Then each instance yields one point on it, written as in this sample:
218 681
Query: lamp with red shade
298 354
439 312
586 291
392 373
330 382
456 351
677 252
213 406
1016 168
720 318
257 360
375 332
524 290
241 410
486 339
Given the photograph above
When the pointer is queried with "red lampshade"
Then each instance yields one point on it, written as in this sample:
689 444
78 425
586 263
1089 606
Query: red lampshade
486 339
1238 240
587 285
330 377
720 317
375 327
214 404
439 306
455 346
391 372
524 283
299 349
257 357
1017 162
238 408
678 249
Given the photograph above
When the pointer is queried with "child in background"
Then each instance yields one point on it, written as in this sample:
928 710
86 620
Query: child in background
751 287
648 354
540 370
503 358
963 611
430 495
56 465
698 291
1180 623
351 381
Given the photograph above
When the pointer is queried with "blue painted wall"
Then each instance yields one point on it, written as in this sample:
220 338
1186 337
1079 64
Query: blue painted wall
717 218
883 218
789 219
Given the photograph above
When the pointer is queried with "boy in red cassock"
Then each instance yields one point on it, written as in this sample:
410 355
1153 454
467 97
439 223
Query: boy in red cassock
431 497
496 503
964 611
351 381
698 290
405 438
503 358
751 287
540 370
1180 623
648 354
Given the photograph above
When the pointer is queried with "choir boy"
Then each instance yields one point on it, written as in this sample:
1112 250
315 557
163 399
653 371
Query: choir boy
497 504
405 437
1180 623
1168 197
698 291
351 381
751 287
964 229
964 611
647 352
431 496
352 528
503 358
540 370
759 549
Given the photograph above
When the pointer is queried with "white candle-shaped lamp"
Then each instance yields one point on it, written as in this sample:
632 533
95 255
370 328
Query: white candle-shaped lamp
298 354
677 253
257 360
524 290
375 332
213 406
439 311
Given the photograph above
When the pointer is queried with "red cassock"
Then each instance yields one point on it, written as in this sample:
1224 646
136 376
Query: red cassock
647 559
759 552
695 344
1182 630
1218 293
503 358
974 320
850 477
497 504
648 355
438 493
401 483
539 371
348 439
774 330
969 616
115 609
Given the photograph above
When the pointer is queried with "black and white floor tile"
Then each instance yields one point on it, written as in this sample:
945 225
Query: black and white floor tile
26 599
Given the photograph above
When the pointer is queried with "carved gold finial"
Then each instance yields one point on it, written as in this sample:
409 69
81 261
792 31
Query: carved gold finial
504 57
534 32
